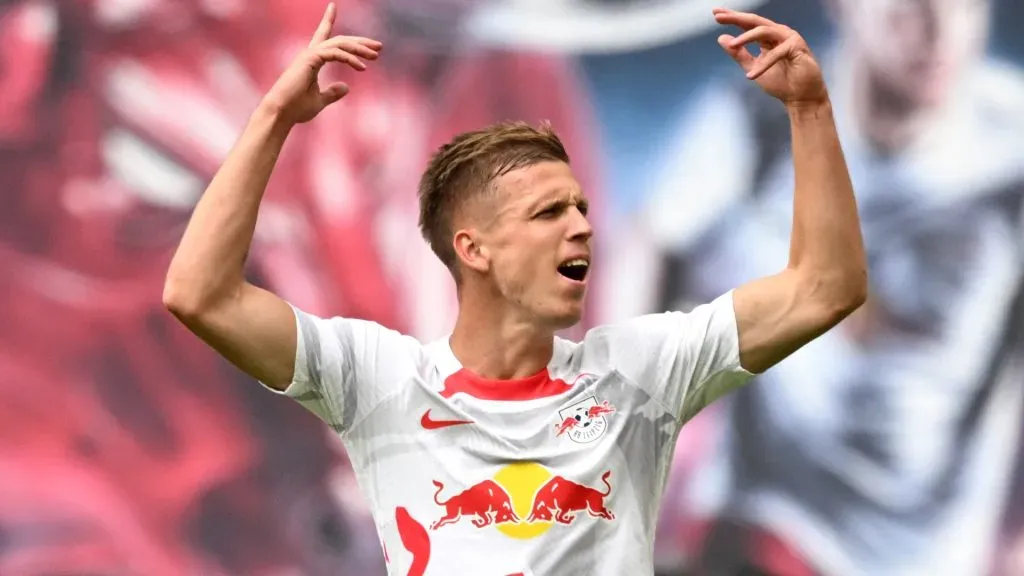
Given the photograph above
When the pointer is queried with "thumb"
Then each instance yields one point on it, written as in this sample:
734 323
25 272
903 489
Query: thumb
740 54
333 93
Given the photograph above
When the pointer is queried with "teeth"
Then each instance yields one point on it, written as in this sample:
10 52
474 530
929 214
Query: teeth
577 262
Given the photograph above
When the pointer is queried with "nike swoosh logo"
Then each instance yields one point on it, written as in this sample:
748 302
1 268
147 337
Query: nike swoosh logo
431 424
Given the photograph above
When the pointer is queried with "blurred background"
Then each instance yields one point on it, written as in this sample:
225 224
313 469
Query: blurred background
891 446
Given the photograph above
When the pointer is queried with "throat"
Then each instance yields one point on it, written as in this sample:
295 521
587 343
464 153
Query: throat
890 121
501 353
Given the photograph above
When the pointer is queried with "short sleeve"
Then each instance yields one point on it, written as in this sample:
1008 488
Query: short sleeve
686 360
345 367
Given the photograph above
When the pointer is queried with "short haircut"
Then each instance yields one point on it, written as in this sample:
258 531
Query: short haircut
466 167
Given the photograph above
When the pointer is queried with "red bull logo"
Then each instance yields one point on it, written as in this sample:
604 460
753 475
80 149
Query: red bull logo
524 500
600 410
566 425
561 499
584 421
487 503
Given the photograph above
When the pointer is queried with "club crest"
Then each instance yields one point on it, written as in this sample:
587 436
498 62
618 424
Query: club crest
584 421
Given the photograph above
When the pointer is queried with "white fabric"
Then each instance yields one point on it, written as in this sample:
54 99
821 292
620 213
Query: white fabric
605 476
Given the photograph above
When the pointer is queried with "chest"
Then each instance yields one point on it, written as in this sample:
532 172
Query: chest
583 435
579 417
561 463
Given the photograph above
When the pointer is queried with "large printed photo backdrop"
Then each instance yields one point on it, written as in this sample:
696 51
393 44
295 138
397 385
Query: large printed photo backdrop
890 446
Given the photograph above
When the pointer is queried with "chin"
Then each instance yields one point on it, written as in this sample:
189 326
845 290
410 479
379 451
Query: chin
567 319
933 95
567 323
926 88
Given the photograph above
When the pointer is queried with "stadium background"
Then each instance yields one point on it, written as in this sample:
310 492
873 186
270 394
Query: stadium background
128 447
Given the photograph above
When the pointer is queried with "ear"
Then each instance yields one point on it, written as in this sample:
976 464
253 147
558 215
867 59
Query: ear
470 251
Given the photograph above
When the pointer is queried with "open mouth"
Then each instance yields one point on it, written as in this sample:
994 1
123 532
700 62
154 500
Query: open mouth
575 269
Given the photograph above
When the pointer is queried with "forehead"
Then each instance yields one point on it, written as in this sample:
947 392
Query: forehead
527 186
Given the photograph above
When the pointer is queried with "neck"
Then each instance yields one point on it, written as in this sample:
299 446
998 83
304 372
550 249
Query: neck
489 341
889 120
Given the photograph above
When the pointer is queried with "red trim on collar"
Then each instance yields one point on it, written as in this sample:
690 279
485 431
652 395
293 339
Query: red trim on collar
540 385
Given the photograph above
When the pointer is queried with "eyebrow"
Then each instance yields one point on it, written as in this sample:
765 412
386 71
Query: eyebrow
552 200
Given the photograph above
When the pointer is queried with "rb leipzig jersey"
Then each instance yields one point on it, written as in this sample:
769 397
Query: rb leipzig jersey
558 473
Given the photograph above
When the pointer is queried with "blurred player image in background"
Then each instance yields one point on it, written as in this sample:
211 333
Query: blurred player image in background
129 448
886 446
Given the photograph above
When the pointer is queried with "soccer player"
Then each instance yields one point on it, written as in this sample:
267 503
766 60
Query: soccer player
503 449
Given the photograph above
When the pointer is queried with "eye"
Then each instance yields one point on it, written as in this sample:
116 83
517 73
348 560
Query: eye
550 212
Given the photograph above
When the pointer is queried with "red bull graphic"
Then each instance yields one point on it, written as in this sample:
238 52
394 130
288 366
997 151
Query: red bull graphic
524 490
584 421
566 425
600 410
487 501
561 498
415 539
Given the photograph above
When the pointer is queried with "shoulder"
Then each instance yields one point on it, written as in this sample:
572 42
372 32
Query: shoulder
989 133
358 341
684 359
988 112
707 163
656 333
999 93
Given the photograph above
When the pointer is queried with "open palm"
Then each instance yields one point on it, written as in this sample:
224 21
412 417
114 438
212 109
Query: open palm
784 68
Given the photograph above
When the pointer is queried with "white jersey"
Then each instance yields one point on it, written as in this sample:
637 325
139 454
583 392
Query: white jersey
559 473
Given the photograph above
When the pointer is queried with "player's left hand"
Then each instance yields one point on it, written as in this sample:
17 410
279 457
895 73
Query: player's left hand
785 67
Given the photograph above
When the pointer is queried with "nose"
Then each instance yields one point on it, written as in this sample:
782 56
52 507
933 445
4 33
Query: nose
936 20
579 227
931 23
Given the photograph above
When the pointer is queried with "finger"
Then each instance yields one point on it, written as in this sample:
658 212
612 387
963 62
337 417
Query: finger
323 31
370 43
348 44
744 20
766 61
339 55
763 34
740 54
333 93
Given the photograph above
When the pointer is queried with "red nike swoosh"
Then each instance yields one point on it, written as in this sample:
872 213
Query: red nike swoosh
430 424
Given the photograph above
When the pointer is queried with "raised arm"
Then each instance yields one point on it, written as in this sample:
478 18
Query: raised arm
205 286
826 278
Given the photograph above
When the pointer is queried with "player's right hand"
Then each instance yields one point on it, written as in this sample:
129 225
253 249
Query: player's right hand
296 96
